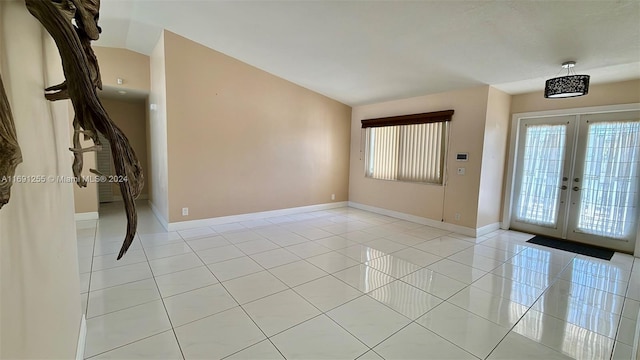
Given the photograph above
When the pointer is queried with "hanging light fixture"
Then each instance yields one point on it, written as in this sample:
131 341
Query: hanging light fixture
571 85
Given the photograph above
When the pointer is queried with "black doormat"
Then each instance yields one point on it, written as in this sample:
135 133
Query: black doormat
574 247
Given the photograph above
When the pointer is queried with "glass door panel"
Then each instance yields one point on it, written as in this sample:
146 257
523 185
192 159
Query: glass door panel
541 180
606 181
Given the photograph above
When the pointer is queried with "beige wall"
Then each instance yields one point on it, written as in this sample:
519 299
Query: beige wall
493 158
157 127
460 195
624 92
241 140
39 295
130 116
128 65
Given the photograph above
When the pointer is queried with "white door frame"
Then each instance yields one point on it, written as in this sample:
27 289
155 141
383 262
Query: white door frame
513 145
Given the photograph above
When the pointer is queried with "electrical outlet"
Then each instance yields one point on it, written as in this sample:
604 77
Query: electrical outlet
333 196
185 211
457 217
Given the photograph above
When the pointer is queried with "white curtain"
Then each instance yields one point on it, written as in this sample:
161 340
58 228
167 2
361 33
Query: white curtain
609 192
544 152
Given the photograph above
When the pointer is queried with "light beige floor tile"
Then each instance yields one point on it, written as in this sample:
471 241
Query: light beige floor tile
111 261
120 275
162 251
251 287
434 283
119 328
460 272
218 254
405 299
161 346
515 346
393 266
368 320
469 331
297 273
569 339
263 350
234 268
185 280
415 342
219 335
172 264
318 338
121 297
280 311
327 292
308 249
272 258
332 262
497 309
209 242
363 277
197 304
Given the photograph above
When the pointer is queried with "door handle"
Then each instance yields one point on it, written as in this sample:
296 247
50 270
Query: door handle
575 188
563 187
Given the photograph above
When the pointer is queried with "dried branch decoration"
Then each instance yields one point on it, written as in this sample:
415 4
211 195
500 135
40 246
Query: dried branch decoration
82 75
10 155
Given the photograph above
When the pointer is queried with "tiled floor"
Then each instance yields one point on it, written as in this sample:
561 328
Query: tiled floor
347 284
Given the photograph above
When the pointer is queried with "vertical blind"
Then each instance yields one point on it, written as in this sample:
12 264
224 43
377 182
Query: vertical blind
407 147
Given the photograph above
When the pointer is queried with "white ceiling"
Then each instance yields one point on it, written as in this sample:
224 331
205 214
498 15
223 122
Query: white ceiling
361 52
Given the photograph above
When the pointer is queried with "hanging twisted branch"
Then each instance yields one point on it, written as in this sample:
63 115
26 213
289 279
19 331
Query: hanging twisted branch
10 155
82 75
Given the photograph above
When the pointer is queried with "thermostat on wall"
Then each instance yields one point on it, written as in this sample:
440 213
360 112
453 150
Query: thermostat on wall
462 156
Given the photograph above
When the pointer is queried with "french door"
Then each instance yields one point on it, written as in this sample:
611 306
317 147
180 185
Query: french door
577 177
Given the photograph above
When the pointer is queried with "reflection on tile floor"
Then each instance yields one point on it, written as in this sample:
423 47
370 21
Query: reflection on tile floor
346 284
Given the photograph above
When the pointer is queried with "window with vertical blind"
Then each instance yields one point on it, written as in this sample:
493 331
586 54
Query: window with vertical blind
407 148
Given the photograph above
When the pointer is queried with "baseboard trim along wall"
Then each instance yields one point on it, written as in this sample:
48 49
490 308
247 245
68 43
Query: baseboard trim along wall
183 225
487 229
429 222
87 216
82 339
159 216
190 224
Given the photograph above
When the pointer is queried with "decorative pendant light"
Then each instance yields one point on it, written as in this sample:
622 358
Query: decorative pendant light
571 85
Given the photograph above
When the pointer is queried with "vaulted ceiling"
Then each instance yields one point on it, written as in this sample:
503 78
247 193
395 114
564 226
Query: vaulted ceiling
362 52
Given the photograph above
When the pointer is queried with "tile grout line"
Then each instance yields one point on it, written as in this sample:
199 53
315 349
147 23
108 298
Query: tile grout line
86 309
359 263
555 279
163 303
240 306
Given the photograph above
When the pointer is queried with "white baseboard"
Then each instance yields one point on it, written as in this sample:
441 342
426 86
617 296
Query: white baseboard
158 215
429 222
190 224
87 216
487 229
82 339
